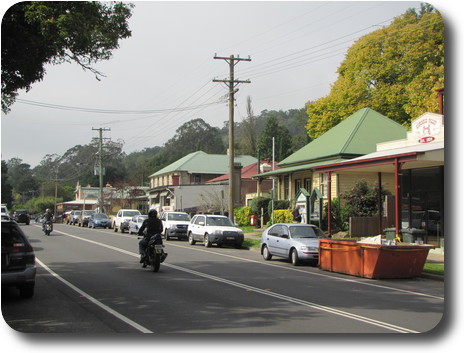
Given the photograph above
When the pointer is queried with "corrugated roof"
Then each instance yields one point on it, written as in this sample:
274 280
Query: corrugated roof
203 163
247 172
355 136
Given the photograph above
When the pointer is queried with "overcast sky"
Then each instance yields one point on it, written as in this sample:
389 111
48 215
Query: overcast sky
163 73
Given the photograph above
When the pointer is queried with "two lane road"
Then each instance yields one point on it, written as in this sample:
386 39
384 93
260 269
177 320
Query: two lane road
90 281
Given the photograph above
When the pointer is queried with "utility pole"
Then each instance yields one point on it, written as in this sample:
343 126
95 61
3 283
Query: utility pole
231 82
100 165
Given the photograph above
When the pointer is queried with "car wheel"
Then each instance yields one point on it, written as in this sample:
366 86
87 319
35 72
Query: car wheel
266 254
238 245
121 229
114 227
190 239
166 236
207 242
294 257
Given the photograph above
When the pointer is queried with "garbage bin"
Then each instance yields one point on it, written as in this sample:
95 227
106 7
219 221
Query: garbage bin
390 233
410 235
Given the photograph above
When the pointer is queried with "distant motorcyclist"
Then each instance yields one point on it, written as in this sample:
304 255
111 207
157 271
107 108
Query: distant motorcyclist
153 225
47 217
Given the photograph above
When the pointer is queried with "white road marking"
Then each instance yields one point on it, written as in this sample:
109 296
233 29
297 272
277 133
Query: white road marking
315 306
95 301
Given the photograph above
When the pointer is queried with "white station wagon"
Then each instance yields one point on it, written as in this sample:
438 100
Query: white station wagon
213 229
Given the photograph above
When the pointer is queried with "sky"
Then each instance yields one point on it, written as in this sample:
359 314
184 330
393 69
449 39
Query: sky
162 76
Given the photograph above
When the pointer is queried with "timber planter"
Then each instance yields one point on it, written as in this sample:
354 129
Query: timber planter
372 260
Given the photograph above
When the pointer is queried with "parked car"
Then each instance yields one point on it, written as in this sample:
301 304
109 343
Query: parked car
135 223
99 220
18 259
294 241
121 221
74 216
5 213
84 218
211 229
22 216
175 224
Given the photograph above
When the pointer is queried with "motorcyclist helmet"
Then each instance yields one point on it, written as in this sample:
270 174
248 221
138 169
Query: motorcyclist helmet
47 210
152 214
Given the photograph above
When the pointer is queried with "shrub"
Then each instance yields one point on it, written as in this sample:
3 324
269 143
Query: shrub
257 204
283 216
242 215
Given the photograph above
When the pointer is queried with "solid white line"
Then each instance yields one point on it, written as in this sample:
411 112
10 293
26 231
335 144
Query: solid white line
95 301
264 292
315 274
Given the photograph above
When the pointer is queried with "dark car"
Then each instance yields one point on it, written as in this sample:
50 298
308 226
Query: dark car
83 220
18 259
22 216
99 220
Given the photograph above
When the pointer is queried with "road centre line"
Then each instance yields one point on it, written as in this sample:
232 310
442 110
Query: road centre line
243 286
95 301
404 291
316 274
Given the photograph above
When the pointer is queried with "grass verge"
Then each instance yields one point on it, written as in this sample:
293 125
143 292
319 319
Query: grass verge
434 268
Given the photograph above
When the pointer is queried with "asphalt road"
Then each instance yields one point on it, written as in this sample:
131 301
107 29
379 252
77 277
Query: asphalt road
90 281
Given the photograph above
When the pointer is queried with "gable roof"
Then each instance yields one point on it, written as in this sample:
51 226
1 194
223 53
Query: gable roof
247 172
355 136
203 163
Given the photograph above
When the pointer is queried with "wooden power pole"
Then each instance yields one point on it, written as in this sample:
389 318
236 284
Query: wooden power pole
231 82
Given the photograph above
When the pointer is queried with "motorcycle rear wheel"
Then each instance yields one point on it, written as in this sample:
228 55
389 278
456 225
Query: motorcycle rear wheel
155 265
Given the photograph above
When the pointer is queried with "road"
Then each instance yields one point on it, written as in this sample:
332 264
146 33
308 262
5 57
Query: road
90 281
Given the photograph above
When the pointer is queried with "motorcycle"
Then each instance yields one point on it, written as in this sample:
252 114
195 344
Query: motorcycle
47 227
154 253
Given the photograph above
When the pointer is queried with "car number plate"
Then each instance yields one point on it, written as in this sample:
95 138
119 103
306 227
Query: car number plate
230 238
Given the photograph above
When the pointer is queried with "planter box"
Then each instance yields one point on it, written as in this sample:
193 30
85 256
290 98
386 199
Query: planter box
372 260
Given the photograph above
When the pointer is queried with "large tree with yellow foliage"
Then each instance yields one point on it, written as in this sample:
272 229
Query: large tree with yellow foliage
394 70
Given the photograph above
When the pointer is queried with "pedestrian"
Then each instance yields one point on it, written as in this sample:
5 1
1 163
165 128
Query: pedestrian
296 214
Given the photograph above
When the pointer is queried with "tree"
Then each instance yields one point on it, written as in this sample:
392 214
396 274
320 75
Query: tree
194 135
35 33
394 70
247 135
21 179
7 189
282 140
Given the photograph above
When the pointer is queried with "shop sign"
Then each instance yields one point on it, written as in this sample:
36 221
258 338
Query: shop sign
426 127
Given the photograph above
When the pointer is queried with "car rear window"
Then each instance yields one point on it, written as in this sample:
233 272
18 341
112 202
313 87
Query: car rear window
11 236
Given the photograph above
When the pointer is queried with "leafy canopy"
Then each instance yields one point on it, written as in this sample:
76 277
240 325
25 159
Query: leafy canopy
394 70
35 33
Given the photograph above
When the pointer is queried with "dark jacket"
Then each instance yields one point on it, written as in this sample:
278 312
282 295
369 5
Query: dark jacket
48 216
153 226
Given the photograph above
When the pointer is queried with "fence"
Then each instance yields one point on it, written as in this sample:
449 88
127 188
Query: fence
366 226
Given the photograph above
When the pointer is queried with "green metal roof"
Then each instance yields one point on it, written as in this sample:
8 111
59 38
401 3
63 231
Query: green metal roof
203 163
355 136
299 167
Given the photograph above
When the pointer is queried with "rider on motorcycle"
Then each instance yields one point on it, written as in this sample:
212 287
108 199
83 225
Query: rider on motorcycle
154 226
47 217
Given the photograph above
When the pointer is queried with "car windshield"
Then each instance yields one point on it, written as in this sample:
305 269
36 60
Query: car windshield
218 221
77 212
88 213
306 232
178 217
100 216
130 213
142 218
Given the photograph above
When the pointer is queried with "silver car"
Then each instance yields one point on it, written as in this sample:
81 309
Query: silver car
297 242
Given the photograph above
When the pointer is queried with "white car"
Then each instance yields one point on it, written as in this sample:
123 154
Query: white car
135 223
175 224
294 241
121 221
212 229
